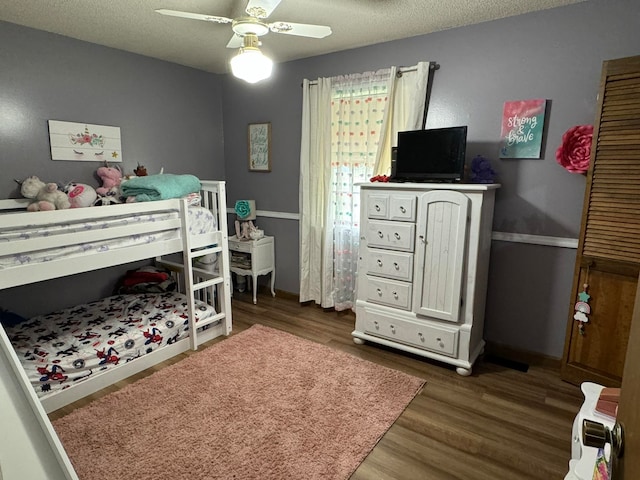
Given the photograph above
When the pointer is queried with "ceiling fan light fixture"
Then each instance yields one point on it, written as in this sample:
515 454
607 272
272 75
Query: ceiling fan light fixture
249 26
251 65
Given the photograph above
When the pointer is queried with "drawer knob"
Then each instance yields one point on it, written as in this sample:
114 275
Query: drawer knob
379 292
397 235
377 325
379 263
440 342
402 209
377 207
421 336
393 329
395 264
395 295
380 234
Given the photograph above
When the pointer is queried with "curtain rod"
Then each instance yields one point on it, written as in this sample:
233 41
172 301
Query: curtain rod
432 66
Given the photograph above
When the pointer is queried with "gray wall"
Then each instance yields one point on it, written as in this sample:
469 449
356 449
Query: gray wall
555 54
170 116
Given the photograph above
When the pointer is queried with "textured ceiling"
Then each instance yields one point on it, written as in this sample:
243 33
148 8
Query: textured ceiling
133 25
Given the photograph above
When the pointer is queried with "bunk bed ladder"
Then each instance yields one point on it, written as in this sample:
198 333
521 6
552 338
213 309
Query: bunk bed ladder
200 283
224 288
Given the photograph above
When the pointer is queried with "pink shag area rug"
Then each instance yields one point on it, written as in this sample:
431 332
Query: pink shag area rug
262 404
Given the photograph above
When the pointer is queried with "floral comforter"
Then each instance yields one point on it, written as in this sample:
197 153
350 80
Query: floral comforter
62 348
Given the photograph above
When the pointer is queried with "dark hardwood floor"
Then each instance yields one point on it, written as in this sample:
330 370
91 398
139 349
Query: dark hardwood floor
497 424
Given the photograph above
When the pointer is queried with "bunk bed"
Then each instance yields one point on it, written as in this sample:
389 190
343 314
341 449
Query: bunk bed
176 233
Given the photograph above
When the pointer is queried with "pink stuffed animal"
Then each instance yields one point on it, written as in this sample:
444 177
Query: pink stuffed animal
111 178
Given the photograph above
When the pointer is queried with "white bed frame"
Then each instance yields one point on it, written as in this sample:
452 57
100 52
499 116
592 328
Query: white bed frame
210 286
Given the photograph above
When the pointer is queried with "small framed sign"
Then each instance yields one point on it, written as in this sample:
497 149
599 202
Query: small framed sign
522 128
259 147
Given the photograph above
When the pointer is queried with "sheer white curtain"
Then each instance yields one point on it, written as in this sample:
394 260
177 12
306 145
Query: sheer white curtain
348 126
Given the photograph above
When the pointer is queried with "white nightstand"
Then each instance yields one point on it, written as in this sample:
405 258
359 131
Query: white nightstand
260 258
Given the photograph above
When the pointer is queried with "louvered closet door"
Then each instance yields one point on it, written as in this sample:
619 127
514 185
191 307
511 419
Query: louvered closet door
608 257
613 217
440 254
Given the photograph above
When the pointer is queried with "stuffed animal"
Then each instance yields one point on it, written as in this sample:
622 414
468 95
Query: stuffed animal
80 194
46 195
111 178
112 197
248 231
481 171
140 171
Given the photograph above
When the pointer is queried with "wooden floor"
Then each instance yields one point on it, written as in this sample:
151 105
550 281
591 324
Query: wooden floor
497 424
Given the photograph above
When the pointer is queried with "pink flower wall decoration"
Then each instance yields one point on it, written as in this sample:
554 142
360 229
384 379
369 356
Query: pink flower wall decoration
574 152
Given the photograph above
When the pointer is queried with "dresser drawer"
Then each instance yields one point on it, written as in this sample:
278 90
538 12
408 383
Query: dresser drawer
240 246
402 208
393 235
437 339
385 263
384 206
388 292
378 206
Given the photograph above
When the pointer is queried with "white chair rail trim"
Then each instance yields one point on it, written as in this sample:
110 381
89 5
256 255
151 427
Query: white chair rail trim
548 241
535 239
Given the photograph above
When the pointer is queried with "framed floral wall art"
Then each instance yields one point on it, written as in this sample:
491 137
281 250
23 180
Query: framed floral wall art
259 147
83 142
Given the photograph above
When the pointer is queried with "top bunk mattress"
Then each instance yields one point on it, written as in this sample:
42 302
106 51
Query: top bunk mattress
200 221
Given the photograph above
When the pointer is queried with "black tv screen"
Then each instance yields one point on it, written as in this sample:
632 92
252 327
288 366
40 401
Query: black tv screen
433 155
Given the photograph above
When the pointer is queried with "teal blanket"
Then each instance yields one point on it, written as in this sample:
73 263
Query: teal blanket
160 187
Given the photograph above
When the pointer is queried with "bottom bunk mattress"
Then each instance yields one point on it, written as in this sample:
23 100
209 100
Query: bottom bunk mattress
63 348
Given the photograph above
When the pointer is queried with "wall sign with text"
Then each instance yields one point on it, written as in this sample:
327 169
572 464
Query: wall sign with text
522 128
259 143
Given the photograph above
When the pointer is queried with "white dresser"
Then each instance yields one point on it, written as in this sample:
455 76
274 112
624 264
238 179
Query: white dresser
422 268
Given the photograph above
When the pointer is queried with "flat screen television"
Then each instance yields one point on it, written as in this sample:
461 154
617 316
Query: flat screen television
432 155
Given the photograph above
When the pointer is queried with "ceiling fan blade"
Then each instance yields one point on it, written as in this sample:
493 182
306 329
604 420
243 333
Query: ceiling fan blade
194 16
236 41
300 29
261 8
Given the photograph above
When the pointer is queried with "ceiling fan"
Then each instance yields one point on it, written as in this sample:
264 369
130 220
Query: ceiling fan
247 29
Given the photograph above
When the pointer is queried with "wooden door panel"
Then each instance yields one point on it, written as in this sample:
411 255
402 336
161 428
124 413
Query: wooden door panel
628 466
603 345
